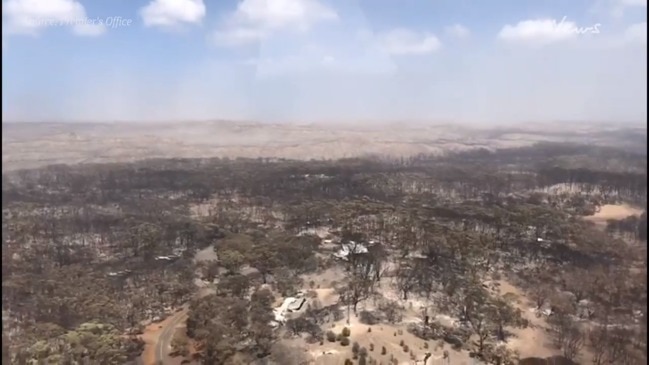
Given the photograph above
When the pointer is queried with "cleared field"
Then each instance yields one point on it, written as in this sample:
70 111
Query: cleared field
29 145
613 211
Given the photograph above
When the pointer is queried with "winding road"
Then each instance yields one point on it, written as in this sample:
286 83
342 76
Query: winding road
166 336
162 344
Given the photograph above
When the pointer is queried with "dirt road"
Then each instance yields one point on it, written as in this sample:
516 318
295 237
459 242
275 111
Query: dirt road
166 336
158 337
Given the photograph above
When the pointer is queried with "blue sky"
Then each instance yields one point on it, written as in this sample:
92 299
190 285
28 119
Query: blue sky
319 60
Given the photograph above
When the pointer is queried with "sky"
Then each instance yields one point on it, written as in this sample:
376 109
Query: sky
324 60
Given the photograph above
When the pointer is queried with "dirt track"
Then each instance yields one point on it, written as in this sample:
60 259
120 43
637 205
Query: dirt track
157 338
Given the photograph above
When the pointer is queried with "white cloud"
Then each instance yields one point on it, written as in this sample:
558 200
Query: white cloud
273 14
458 30
31 16
254 20
172 13
403 42
540 31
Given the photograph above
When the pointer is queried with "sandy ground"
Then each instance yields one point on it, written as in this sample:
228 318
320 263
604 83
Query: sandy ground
380 335
206 254
29 145
532 341
613 211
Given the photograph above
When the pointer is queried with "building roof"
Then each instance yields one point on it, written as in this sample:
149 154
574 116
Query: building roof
349 248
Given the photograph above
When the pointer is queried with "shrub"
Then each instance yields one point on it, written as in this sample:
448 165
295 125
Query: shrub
367 317
401 343
405 348
331 336
425 345
348 362
383 350
339 337
346 332
362 360
371 347
355 348
395 334
369 329
362 352
400 332
179 345
315 337
344 341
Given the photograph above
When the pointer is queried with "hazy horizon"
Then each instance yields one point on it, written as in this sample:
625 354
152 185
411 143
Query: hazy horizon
325 61
524 126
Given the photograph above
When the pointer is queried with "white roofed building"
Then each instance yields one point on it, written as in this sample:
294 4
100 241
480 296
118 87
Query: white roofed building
349 248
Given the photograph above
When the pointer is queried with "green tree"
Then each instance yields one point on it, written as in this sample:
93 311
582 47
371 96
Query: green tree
236 285
231 260
261 314
502 314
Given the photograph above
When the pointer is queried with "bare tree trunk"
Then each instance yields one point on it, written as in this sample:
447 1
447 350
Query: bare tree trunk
348 311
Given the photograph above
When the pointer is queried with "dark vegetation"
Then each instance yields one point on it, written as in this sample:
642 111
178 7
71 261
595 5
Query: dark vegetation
93 252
